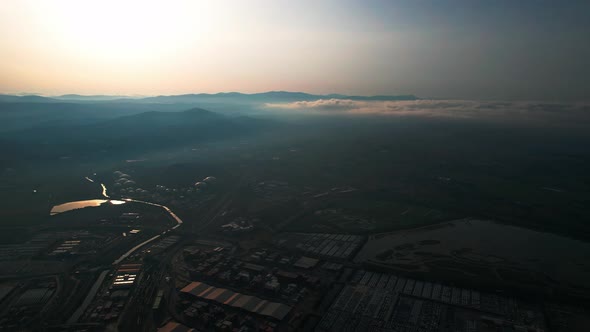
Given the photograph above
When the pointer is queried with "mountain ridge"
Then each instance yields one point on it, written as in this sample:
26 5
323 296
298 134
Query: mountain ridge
198 97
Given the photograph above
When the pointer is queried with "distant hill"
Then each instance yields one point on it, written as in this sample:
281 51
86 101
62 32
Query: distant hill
30 111
154 120
16 116
76 97
137 132
26 99
271 96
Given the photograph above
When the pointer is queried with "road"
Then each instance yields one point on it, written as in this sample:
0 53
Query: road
74 318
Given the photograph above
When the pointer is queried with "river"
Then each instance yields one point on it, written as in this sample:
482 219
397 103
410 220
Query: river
137 247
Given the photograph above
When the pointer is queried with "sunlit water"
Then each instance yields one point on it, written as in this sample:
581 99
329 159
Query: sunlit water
82 204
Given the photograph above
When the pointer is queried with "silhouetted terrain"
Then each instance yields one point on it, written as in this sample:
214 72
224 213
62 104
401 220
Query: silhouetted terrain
433 190
506 171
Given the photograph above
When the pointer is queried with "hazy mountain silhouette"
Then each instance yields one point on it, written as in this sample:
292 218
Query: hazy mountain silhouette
26 99
21 115
21 112
137 132
77 97
271 96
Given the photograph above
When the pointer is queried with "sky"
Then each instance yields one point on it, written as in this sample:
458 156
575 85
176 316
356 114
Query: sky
467 49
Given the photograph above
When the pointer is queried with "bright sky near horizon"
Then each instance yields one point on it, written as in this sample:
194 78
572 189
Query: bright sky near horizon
501 49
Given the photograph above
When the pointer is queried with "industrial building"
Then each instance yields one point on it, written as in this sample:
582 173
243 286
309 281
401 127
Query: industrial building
306 262
164 244
66 247
247 303
126 275
403 304
334 246
175 327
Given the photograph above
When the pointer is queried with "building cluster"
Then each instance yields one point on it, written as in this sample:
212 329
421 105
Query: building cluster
271 257
67 247
40 243
175 327
125 276
213 304
253 292
26 303
271 281
109 302
330 246
79 244
388 302
163 244
108 311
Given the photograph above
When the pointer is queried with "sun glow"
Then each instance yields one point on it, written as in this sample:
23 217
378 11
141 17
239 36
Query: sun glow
129 31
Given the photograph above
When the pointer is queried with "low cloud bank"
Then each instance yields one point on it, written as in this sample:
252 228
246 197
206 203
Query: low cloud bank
445 108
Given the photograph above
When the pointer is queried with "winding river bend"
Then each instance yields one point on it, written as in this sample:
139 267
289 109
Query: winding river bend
137 247
97 202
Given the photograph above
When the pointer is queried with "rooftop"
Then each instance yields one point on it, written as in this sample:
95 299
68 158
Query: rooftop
237 300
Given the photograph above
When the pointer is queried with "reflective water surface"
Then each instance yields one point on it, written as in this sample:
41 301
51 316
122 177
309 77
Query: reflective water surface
81 204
